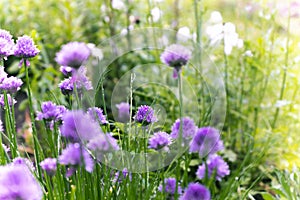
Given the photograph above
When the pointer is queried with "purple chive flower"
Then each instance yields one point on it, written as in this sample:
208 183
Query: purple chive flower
145 115
188 128
25 49
49 165
206 141
215 164
103 143
79 79
11 101
196 191
23 161
17 182
66 86
73 54
67 71
160 140
170 187
75 155
6 44
123 112
79 126
50 112
11 84
176 56
97 115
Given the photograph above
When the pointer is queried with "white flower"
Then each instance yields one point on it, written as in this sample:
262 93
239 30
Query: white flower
118 4
297 59
216 31
95 51
248 53
215 17
156 13
281 103
184 34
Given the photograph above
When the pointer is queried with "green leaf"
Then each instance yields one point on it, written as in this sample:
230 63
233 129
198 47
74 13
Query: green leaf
267 196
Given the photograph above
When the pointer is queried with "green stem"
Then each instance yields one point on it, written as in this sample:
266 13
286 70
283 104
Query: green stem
11 123
34 132
180 106
286 62
2 153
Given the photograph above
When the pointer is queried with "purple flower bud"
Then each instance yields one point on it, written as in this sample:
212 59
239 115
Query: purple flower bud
145 115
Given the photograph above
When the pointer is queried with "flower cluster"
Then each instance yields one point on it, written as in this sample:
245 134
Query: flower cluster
25 49
80 128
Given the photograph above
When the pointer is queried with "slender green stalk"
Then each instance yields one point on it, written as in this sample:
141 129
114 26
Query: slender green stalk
13 124
130 114
286 63
198 20
180 130
37 149
2 153
9 127
180 107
